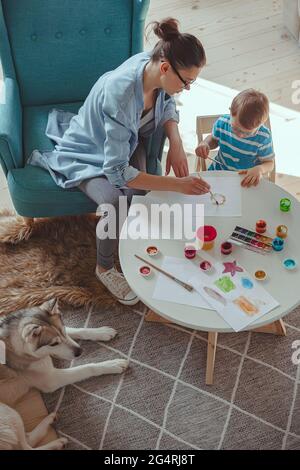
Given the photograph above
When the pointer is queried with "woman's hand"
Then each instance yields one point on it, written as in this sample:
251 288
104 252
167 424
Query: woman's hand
253 176
192 185
176 159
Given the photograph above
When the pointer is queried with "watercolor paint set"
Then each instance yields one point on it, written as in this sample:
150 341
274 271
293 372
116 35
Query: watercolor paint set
251 240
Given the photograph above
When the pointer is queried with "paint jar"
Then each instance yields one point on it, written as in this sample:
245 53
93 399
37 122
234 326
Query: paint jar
206 236
152 250
226 248
190 252
282 231
145 271
260 275
289 264
278 244
285 204
205 266
261 226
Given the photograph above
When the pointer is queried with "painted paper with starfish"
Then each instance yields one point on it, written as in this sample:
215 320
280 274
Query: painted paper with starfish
232 268
233 293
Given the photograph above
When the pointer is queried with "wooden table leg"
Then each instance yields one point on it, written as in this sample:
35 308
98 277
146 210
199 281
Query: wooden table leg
275 328
154 317
211 355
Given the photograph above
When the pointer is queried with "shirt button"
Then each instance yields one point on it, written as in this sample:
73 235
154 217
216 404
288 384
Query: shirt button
58 35
107 30
82 32
34 37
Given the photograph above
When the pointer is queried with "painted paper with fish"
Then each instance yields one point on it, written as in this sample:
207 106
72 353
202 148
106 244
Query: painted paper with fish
233 293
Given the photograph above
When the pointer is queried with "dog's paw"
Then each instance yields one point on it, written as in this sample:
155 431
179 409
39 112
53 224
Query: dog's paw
61 442
105 333
115 366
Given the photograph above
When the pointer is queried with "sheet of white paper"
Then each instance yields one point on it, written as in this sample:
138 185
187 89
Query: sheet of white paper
229 186
168 290
239 299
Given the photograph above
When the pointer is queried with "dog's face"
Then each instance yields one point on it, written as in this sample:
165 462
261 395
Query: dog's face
45 335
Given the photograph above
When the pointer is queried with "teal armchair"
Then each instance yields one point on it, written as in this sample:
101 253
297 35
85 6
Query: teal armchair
52 52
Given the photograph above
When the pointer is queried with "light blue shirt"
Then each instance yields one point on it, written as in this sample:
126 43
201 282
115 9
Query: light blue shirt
240 153
102 137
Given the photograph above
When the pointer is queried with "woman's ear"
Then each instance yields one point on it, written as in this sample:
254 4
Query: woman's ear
164 67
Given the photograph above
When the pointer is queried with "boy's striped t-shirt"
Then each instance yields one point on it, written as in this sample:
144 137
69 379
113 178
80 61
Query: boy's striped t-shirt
240 153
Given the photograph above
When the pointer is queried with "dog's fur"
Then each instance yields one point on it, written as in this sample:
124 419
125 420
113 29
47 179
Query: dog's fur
32 336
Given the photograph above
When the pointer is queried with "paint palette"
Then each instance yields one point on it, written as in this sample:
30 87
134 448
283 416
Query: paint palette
251 240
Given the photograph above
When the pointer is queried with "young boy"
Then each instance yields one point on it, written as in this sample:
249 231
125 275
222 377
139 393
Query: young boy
245 142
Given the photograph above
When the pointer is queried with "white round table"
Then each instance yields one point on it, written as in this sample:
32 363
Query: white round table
261 202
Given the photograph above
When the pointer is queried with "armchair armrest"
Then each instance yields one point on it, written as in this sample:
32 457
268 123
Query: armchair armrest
11 155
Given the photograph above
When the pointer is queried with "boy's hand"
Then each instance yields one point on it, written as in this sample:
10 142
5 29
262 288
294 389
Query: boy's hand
202 150
192 185
253 176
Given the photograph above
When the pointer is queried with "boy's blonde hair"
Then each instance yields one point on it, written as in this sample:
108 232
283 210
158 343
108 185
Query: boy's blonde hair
251 108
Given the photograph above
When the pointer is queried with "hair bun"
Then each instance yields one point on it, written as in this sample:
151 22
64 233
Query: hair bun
167 29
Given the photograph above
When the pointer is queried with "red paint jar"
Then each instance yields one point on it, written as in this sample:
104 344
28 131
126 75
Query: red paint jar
145 271
226 248
261 226
190 252
207 235
205 265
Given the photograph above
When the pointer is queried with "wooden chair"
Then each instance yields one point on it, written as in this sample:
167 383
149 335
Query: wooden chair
204 125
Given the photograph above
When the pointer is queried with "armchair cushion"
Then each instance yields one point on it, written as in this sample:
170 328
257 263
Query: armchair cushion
35 194
34 125
11 127
32 189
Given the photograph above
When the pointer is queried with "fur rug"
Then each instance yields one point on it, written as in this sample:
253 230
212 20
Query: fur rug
52 258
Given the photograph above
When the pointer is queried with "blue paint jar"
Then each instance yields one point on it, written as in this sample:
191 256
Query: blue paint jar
289 264
278 244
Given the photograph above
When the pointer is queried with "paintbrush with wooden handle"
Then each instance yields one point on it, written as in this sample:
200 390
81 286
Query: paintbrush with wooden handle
183 284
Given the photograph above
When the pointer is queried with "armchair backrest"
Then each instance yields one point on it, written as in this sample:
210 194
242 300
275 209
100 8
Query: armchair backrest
58 49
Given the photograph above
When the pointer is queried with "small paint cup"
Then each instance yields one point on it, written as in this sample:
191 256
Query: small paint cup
207 235
260 275
152 250
190 252
261 226
289 264
285 204
278 244
205 266
282 231
226 248
145 271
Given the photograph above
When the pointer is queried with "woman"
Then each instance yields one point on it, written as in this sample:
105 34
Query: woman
101 148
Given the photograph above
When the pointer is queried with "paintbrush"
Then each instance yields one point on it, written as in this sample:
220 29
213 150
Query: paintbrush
183 284
215 161
212 196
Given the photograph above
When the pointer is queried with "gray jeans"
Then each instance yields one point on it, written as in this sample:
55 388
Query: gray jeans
102 192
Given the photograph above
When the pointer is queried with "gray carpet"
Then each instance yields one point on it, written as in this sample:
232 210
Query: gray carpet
162 402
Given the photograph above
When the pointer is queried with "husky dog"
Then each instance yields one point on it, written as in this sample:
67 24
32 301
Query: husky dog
32 337
14 437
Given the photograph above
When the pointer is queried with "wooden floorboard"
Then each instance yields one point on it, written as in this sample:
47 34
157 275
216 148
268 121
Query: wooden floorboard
246 43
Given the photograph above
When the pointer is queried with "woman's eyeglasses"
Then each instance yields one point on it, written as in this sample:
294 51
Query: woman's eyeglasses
185 82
